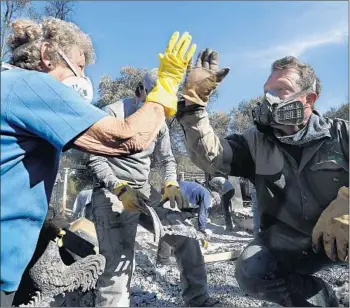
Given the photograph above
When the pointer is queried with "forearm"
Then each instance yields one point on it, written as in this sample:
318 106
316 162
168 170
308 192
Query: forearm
169 171
111 136
164 155
206 150
202 216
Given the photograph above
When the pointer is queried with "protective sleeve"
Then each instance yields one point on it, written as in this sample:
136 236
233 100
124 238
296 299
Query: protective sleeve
164 155
228 156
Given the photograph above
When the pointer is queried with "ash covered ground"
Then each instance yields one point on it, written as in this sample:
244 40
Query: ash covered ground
160 286
153 286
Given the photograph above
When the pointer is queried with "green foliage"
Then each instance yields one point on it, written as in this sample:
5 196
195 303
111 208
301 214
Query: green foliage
242 116
10 10
13 9
341 112
112 90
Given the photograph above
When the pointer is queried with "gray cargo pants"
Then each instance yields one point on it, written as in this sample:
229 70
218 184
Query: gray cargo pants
116 236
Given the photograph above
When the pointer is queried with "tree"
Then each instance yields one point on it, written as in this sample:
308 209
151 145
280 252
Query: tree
220 123
10 9
242 116
342 112
112 90
62 9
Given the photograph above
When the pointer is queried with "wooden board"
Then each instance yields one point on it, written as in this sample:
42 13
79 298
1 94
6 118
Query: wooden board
84 225
222 256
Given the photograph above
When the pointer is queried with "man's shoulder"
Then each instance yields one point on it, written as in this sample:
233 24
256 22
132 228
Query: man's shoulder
121 108
338 128
115 109
336 122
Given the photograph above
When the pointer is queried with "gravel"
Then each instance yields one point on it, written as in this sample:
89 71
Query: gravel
153 286
160 286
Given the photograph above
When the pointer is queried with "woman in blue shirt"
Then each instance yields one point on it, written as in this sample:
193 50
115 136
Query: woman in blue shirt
41 116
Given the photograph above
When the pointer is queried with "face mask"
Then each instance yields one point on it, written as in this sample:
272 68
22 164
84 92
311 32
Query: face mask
272 110
80 84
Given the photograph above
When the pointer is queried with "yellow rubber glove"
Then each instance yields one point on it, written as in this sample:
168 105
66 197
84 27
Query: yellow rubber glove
173 194
333 228
172 67
129 197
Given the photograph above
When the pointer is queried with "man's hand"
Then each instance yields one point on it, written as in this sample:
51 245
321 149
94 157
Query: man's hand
129 197
173 194
204 78
333 228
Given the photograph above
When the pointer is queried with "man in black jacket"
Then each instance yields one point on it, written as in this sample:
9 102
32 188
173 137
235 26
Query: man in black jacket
299 163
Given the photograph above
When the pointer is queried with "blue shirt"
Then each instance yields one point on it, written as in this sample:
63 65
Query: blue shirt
39 117
195 193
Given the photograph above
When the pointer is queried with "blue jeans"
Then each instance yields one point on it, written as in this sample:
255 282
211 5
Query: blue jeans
256 219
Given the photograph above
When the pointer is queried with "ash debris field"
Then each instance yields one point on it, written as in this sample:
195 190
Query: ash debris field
160 286
153 286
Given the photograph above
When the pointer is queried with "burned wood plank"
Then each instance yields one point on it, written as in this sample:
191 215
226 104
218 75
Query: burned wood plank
222 256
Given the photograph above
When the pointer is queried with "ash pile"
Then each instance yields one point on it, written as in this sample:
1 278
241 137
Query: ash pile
153 286
160 286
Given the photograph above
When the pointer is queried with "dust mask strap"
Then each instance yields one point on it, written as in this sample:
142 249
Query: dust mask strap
78 83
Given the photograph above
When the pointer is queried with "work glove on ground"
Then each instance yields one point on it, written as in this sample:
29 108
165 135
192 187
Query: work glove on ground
202 79
172 193
333 228
130 197
172 67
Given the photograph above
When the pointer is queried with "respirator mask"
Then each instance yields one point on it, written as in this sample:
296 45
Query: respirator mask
274 111
78 83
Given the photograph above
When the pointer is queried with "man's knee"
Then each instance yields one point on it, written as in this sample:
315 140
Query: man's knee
254 265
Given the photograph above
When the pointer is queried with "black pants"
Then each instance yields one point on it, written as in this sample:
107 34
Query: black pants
226 201
7 298
273 275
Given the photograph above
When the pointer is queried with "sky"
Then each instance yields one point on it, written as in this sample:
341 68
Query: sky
249 35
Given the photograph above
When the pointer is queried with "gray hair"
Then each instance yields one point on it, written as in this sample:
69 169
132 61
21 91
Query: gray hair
28 36
307 76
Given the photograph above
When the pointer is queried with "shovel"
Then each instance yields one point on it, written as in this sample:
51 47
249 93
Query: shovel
169 222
